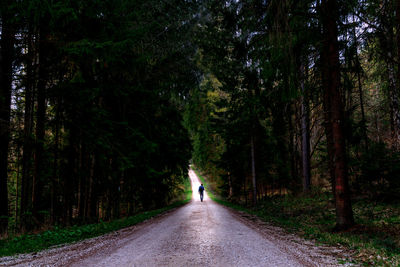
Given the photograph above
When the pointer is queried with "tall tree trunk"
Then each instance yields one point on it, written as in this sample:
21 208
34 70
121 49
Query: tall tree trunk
7 51
54 207
90 199
245 190
279 129
71 173
360 90
26 181
305 132
38 178
17 188
230 186
397 89
82 180
331 65
253 93
327 113
253 170
394 103
18 177
117 196
360 94
292 145
388 44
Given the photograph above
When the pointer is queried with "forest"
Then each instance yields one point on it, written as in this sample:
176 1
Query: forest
105 103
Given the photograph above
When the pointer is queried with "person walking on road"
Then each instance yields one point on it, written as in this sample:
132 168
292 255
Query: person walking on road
201 191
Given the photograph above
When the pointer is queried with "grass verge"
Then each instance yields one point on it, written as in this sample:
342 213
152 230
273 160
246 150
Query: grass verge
375 239
57 236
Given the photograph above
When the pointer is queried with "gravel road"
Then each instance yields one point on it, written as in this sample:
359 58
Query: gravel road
197 234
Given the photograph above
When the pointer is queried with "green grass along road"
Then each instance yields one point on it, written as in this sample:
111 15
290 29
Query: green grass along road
374 241
58 236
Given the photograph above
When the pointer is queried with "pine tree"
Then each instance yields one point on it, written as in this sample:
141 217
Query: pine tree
6 73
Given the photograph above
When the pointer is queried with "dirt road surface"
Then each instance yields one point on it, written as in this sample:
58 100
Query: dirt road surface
197 234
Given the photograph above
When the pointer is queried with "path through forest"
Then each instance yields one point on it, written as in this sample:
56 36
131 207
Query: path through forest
198 234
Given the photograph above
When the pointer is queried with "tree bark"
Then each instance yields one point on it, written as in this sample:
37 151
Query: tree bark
326 108
292 146
6 70
82 180
360 91
230 186
394 103
305 133
54 207
71 172
388 43
331 65
253 171
91 200
26 181
38 178
397 89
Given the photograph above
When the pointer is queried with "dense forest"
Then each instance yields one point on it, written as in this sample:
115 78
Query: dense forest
104 103
299 96
91 108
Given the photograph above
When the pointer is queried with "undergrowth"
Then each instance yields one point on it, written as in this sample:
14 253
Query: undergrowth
375 239
57 236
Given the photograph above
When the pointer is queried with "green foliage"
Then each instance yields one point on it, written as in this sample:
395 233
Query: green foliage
253 50
377 172
374 240
203 114
116 76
